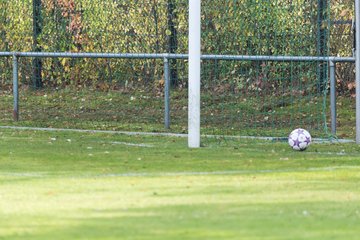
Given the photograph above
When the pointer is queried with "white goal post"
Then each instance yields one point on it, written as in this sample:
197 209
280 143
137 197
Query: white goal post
194 73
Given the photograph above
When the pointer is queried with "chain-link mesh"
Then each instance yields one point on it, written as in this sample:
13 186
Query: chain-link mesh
265 97
115 94
238 97
342 44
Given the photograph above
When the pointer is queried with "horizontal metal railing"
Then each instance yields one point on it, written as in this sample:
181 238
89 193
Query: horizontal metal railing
178 56
165 56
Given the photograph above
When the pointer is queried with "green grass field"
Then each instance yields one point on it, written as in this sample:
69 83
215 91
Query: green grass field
62 185
143 111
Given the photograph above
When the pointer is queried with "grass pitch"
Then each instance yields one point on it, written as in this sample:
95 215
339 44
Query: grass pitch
96 186
142 110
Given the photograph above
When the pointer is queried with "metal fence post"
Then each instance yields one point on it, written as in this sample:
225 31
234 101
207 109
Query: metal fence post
16 88
333 97
167 92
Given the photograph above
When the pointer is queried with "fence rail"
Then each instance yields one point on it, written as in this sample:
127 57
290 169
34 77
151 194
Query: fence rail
178 56
165 56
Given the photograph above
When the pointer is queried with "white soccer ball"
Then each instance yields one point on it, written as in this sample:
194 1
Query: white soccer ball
299 139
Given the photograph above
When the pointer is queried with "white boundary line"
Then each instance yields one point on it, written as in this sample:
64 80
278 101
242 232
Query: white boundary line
94 131
132 144
315 140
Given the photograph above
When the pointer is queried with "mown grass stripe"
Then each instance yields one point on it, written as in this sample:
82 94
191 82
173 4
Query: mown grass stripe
179 174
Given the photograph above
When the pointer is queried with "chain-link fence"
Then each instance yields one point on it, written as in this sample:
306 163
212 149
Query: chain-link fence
240 96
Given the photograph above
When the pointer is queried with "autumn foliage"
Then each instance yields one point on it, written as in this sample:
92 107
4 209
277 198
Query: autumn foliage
229 27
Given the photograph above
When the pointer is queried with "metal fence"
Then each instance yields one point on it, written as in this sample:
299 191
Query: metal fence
262 64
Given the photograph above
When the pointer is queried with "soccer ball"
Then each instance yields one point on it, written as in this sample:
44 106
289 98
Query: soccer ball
299 139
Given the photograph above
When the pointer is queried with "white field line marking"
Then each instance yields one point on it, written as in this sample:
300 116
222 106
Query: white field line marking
177 174
94 131
114 142
23 174
315 140
133 144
